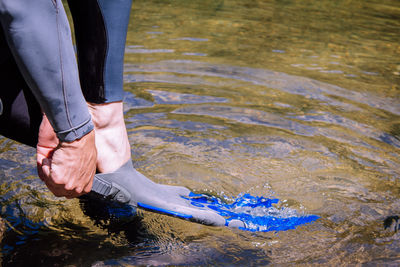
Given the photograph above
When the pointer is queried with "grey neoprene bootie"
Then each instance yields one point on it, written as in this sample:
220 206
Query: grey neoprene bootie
127 185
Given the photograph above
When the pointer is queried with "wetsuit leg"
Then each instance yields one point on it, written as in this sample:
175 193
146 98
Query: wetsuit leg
39 38
100 31
19 120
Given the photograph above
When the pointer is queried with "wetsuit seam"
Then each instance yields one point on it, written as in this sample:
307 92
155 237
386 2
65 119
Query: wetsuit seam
74 128
62 76
54 3
105 52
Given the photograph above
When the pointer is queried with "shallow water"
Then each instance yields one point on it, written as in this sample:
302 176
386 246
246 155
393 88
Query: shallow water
296 100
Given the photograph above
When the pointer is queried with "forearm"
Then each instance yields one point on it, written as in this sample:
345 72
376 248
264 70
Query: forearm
38 34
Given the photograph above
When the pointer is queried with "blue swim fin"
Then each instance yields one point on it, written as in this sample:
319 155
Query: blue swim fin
246 212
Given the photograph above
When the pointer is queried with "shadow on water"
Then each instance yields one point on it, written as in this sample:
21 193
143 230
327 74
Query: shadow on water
125 237
46 245
45 231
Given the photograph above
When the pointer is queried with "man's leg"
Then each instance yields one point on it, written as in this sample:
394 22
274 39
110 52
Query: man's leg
100 30
38 35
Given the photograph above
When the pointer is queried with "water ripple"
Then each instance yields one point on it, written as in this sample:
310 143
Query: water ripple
193 39
164 97
248 116
288 83
147 51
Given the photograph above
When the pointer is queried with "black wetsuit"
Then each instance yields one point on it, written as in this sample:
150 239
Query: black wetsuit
38 68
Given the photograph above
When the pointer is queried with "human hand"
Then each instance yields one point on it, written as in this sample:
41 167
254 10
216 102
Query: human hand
66 168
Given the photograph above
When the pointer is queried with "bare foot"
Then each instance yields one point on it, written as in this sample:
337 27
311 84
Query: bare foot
113 149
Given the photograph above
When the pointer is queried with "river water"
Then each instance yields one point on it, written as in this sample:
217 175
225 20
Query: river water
296 100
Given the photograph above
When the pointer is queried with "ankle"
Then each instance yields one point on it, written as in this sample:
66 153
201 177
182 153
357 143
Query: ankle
112 143
107 115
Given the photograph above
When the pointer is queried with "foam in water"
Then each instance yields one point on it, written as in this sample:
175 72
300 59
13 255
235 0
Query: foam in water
256 212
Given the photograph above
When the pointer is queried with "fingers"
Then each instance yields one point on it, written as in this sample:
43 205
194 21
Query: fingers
59 187
46 163
68 169
88 187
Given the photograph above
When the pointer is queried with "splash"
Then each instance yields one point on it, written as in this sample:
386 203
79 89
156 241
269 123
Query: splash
256 212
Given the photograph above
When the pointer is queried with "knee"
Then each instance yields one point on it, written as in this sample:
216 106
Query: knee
9 7
25 10
11 10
